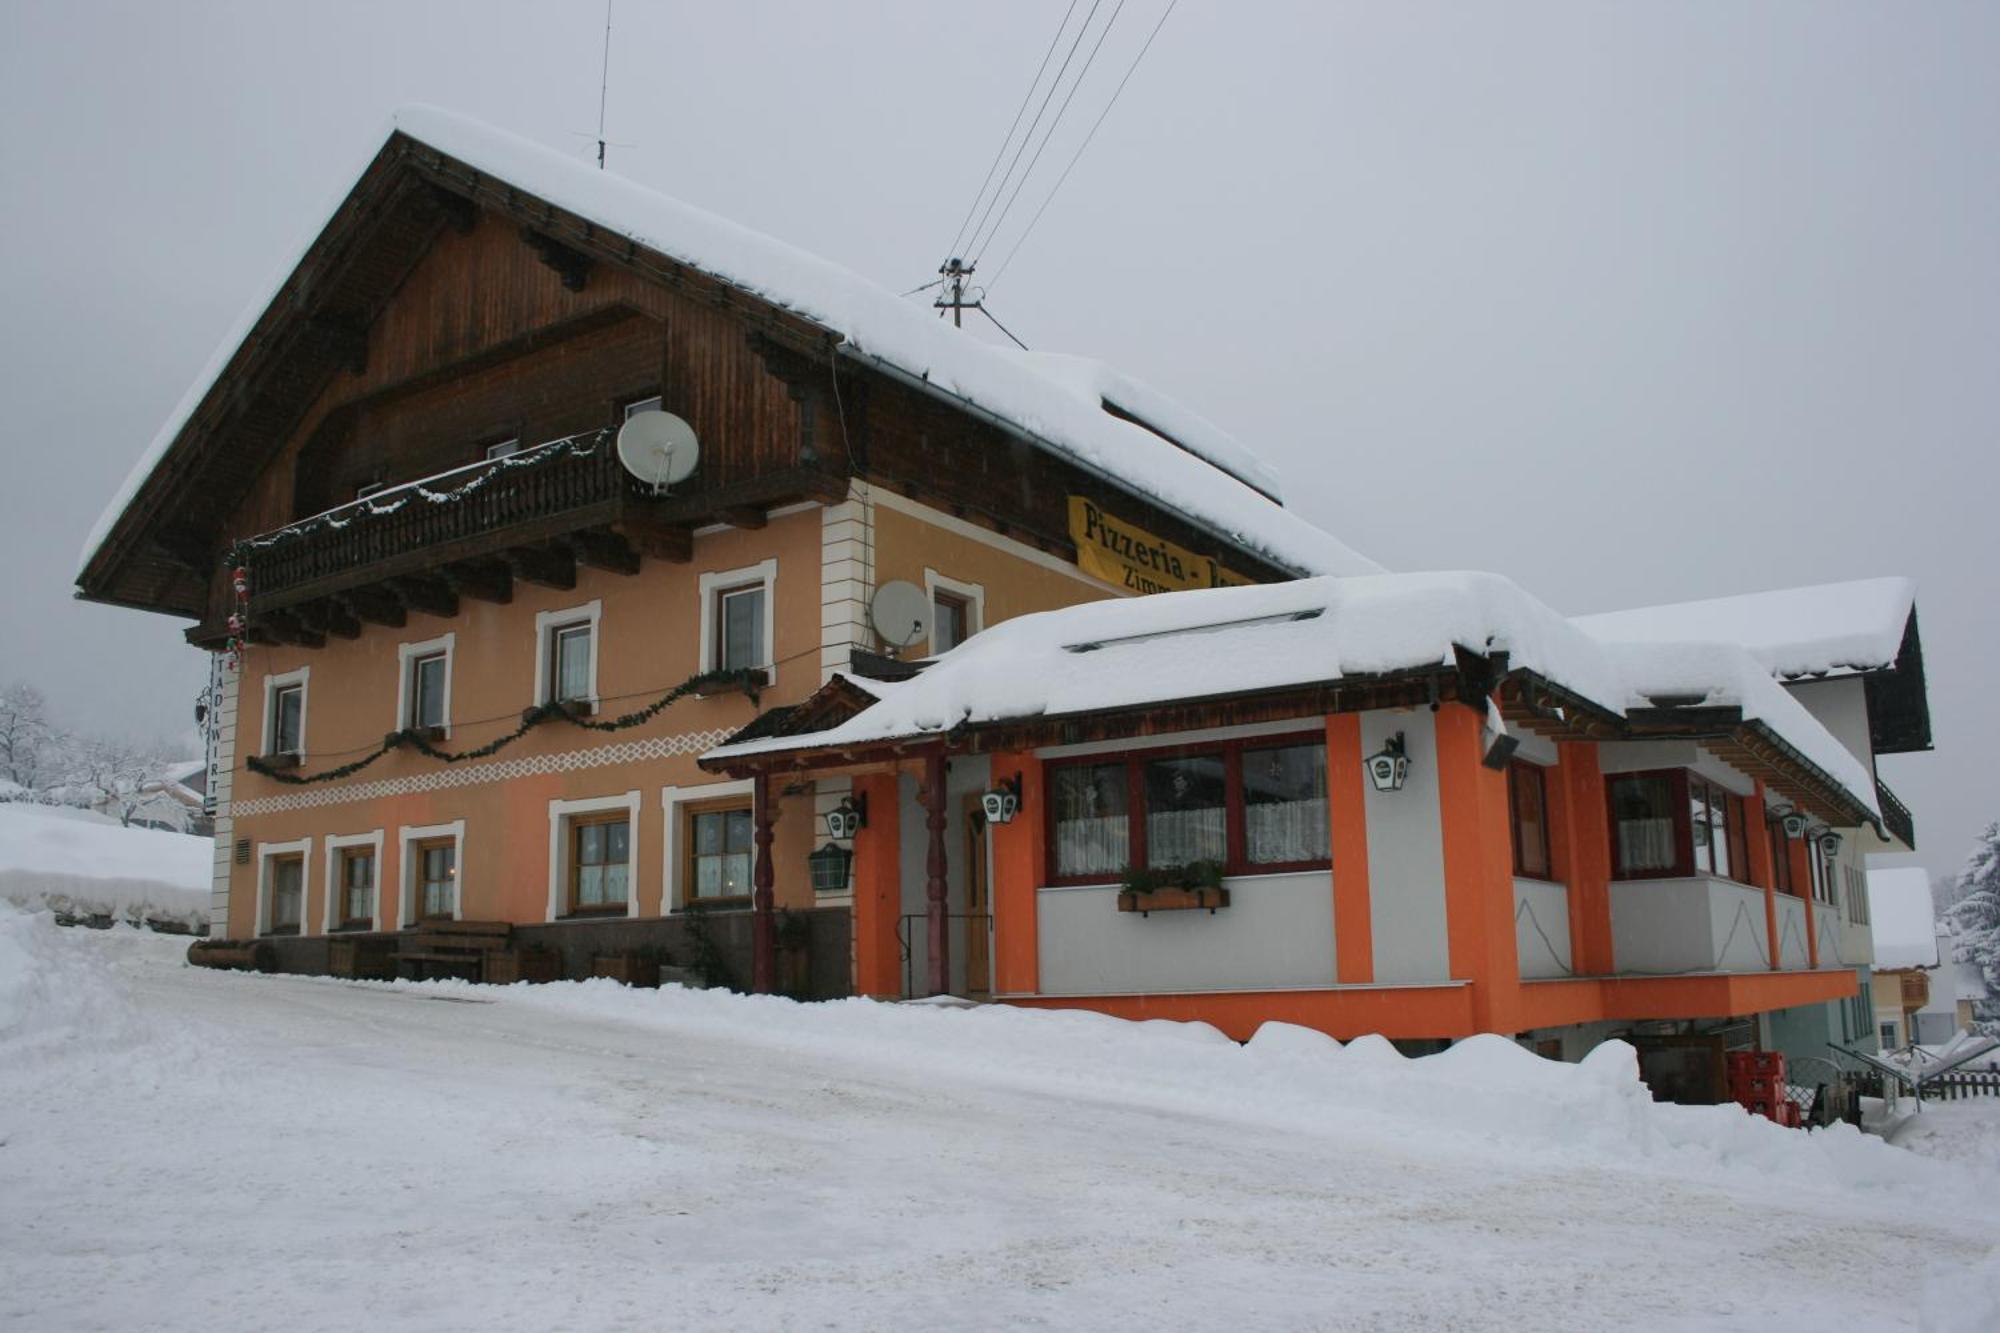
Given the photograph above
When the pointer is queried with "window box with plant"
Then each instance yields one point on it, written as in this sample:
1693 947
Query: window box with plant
1196 886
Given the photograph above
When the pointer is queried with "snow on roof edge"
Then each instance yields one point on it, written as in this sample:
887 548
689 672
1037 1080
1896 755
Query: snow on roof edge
1821 629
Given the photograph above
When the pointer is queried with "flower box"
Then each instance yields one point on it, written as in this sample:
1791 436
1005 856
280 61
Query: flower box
1172 898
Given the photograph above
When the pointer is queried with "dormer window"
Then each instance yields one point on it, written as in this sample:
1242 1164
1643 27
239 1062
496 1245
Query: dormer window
638 405
503 449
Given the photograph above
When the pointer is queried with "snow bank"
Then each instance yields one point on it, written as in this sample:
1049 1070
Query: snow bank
1482 1096
84 863
1905 917
53 994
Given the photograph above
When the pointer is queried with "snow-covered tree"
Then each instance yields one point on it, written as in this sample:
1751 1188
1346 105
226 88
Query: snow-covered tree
1977 916
116 775
26 739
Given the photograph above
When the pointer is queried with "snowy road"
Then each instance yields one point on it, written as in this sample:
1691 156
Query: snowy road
223 1151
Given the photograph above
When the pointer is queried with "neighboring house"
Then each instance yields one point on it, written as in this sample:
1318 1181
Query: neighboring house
408 451
1911 1006
173 803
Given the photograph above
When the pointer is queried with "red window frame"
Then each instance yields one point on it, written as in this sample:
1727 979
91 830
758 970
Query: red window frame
1518 773
1231 752
1679 781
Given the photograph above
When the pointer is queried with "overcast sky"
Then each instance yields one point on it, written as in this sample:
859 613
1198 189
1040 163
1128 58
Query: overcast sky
1630 303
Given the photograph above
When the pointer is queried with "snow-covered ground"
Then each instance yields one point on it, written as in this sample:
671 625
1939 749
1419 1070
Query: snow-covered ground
80 861
189 1149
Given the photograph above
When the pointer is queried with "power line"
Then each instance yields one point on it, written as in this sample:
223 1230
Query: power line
1082 74
1001 152
1046 97
1019 240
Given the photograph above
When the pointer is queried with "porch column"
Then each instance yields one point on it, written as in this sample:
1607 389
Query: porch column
763 902
1586 836
1019 855
938 972
1762 873
1478 869
878 891
1347 811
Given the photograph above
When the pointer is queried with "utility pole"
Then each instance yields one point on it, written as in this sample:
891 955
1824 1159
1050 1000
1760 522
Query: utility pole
955 271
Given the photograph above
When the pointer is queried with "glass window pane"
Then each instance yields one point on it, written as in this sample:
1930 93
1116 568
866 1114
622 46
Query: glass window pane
708 877
427 691
708 833
948 616
1092 834
285 735
1187 811
742 629
572 665
1698 826
614 883
1718 831
589 886
736 875
1531 838
739 830
590 844
1284 805
1642 809
617 842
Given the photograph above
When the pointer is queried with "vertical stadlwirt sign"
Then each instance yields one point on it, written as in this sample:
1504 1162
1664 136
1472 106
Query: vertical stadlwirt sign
1127 556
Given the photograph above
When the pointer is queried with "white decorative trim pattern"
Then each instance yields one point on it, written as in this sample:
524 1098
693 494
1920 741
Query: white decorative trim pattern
846 579
451 777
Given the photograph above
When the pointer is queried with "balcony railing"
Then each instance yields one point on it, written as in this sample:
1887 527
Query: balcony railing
533 495
1895 816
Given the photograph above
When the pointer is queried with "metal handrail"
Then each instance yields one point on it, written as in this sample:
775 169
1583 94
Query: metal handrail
1896 817
909 953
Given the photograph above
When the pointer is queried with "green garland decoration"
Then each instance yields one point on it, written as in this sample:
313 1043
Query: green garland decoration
748 681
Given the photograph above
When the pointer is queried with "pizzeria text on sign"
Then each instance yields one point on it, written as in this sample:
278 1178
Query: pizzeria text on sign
1111 549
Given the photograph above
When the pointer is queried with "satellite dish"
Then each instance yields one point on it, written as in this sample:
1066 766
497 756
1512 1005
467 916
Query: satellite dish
658 448
901 613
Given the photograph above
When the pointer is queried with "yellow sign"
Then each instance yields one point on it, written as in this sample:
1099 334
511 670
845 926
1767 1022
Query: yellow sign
1129 557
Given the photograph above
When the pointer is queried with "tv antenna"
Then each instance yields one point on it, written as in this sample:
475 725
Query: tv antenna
603 84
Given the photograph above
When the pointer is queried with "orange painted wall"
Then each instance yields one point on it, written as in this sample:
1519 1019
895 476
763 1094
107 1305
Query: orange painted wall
1019 870
878 888
1478 868
649 640
1586 843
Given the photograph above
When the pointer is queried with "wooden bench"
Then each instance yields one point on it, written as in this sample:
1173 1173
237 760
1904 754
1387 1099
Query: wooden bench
449 949
362 957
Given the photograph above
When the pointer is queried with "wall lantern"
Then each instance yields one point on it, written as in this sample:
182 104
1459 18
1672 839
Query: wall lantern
1001 804
1389 766
829 866
848 818
1795 825
1829 844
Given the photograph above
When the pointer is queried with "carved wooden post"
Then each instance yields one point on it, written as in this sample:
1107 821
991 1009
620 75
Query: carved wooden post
763 922
938 972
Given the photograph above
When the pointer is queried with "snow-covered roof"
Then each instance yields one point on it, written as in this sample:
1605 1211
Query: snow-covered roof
1828 628
1059 401
1219 641
1905 920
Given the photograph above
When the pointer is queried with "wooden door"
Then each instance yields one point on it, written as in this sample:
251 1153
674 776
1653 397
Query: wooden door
978 921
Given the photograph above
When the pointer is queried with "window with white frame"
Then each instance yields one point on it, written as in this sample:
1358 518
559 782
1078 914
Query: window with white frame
432 863
503 449
281 887
285 712
566 655
638 405
957 610
593 849
423 695
736 618
353 875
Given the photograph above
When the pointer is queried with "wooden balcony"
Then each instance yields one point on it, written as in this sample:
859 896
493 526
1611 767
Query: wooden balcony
535 516
1896 818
